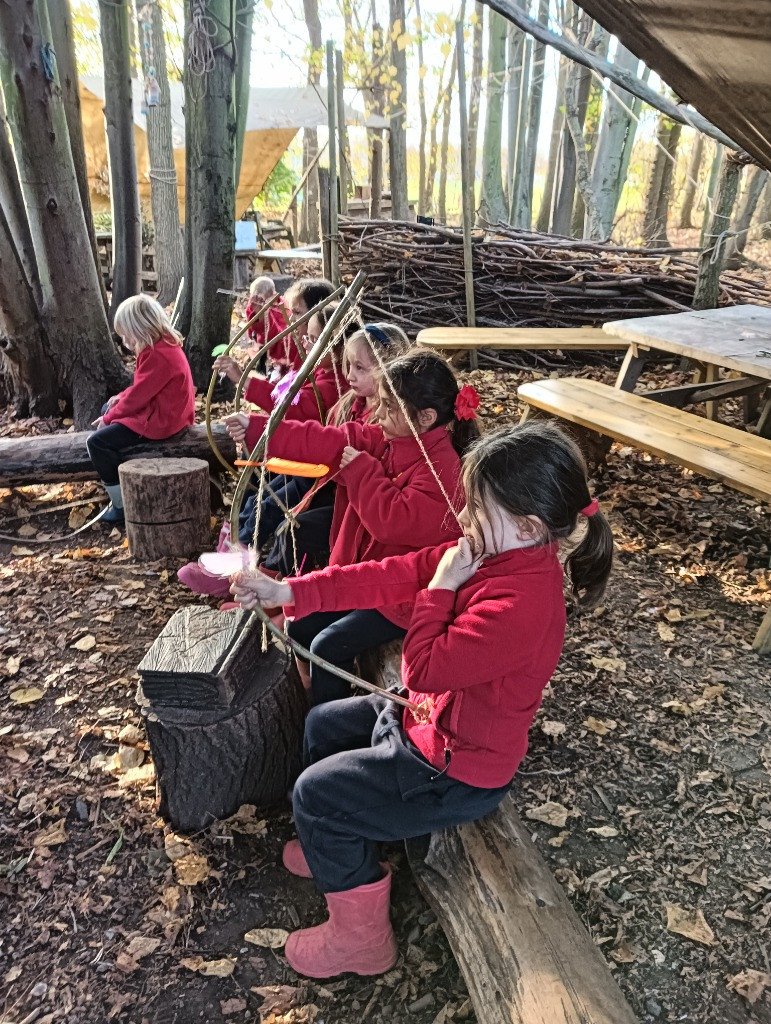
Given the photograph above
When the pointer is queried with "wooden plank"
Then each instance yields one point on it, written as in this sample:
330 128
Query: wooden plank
517 338
736 340
734 457
525 954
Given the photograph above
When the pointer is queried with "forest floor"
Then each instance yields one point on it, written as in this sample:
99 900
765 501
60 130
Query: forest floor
646 786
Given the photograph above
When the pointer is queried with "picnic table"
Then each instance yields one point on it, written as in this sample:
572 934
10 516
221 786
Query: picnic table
736 339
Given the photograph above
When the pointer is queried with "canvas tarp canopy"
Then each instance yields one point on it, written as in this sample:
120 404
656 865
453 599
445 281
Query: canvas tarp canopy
273 119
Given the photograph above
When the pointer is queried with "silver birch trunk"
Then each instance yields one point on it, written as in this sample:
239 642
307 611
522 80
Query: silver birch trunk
164 197
493 205
475 95
309 213
749 201
692 181
397 142
707 291
764 214
516 83
443 155
433 147
378 107
547 201
422 197
121 153
524 196
583 173
659 190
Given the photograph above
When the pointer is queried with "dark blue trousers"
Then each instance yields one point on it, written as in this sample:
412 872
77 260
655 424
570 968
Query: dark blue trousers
365 783
106 449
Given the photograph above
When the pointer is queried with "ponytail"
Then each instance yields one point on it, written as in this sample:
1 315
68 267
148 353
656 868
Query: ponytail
588 565
463 434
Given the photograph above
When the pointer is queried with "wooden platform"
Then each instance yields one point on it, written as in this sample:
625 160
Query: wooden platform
736 458
565 339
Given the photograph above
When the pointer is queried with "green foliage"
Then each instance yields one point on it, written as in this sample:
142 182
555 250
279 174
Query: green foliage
278 189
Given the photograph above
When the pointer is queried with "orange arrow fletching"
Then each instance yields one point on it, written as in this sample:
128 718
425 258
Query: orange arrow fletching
289 468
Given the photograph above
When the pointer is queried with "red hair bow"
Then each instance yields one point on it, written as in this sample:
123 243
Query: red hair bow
466 403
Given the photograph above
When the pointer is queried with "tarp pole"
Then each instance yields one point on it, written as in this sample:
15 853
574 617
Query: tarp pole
334 257
466 189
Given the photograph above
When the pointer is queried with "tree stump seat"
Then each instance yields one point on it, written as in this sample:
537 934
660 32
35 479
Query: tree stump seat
167 507
224 718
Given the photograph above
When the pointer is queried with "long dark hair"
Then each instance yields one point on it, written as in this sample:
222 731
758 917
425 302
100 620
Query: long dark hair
534 469
311 290
423 380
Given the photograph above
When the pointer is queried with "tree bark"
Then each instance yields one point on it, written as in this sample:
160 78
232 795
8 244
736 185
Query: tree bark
660 184
397 148
707 291
433 148
765 212
547 201
378 107
616 134
493 205
517 84
444 151
422 196
167 507
121 153
71 308
583 176
309 214
60 20
691 181
164 198
475 95
243 33
590 128
524 210
210 127
735 246
578 81
12 205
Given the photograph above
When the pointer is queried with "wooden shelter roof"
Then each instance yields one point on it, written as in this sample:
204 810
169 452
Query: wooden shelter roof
715 54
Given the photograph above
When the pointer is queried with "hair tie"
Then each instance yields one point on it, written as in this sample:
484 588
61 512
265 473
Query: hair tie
466 403
591 508
378 334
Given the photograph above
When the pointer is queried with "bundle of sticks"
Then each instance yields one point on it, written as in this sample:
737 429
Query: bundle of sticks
521 279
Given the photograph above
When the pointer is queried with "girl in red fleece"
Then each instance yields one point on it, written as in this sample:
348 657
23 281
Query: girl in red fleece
159 403
395 493
262 290
485 635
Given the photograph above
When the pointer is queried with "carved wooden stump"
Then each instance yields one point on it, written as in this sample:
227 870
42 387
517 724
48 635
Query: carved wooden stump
167 507
224 720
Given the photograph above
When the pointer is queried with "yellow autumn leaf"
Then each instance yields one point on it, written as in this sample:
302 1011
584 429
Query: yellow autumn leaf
272 938
26 695
86 643
191 870
690 923
550 813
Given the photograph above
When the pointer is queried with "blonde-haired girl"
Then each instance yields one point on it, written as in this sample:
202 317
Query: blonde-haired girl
159 403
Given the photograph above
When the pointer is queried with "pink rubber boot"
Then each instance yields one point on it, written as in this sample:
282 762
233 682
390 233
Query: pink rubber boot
294 859
358 936
201 582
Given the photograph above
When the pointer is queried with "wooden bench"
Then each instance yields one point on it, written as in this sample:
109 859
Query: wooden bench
735 457
564 339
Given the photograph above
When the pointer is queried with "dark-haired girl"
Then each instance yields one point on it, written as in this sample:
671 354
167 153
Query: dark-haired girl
485 634
394 495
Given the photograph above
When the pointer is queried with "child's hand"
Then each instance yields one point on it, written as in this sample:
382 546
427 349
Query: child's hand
250 587
349 454
98 423
457 565
112 401
236 425
228 366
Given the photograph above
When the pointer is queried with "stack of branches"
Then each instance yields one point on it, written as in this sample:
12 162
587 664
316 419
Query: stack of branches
521 279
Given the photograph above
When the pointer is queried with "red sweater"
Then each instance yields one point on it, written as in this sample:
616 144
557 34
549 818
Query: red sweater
387 500
285 352
259 391
161 401
482 656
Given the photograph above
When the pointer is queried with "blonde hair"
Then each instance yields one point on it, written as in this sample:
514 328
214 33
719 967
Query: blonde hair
396 343
262 286
144 321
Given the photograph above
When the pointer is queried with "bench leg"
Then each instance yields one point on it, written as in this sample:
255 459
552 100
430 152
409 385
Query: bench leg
762 641
712 374
630 371
764 420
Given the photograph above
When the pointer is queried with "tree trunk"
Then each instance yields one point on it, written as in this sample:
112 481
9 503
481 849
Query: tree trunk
164 199
23 354
422 196
547 200
12 205
691 181
121 153
579 80
224 720
493 205
660 184
444 152
71 308
616 134
243 33
433 148
309 215
211 133
167 507
712 180
476 95
765 213
397 148
590 124
735 245
583 176
62 36
516 85
378 107
707 291
524 209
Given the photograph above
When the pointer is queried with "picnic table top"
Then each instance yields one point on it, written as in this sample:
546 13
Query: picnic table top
735 337
306 252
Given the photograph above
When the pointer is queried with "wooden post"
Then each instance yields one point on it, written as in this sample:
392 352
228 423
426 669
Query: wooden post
324 228
341 133
334 259
167 507
466 190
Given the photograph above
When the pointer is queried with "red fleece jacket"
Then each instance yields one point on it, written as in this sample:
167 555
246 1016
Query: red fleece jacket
161 401
481 656
285 351
259 392
388 501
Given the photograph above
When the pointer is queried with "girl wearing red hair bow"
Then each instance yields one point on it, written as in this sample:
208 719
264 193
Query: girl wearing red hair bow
398 490
486 631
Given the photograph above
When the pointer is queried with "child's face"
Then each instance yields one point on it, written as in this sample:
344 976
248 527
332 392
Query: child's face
388 414
491 530
312 334
362 370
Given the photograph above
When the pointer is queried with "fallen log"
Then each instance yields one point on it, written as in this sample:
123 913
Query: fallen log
55 457
525 954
